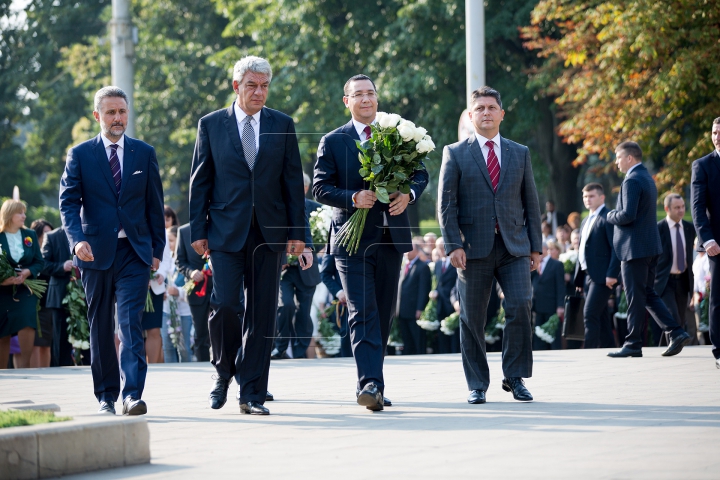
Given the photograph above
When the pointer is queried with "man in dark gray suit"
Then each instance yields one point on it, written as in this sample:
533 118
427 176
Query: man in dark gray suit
637 244
490 220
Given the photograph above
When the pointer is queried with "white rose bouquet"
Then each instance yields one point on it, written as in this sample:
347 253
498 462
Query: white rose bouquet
320 221
387 161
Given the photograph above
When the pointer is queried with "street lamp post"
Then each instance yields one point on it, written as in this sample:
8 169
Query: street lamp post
123 39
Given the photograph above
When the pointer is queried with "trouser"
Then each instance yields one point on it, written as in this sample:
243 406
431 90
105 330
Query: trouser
413 337
598 328
61 347
714 313
294 324
200 314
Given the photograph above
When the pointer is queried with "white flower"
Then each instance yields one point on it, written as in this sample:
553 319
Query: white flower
406 129
84 345
428 325
419 134
569 255
425 145
379 116
543 335
388 120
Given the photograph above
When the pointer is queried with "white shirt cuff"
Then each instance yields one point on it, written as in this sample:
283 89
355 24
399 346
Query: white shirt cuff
412 196
708 243
337 295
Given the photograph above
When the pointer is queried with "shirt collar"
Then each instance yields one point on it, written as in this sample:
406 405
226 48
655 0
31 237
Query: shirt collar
482 140
545 260
597 210
359 126
671 223
633 168
120 143
240 114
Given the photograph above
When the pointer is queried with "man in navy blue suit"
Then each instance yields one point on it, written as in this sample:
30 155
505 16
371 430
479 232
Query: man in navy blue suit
247 208
111 202
369 277
637 244
705 212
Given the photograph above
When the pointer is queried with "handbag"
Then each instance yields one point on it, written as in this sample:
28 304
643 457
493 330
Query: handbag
574 324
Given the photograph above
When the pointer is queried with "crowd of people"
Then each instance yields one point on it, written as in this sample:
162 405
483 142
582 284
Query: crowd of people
243 282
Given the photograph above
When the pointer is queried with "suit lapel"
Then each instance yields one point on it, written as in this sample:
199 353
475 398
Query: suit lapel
476 152
351 136
232 130
266 124
104 163
715 160
128 164
507 160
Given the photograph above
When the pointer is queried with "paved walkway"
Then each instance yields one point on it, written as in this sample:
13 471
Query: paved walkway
594 417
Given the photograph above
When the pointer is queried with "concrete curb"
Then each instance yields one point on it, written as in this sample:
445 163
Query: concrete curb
75 446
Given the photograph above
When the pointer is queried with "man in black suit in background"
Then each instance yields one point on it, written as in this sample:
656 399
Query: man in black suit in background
370 276
297 284
548 297
190 264
58 265
637 245
552 217
246 209
597 268
331 278
705 212
415 286
446 276
674 279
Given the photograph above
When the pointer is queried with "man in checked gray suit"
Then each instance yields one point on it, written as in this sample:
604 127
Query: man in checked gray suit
490 220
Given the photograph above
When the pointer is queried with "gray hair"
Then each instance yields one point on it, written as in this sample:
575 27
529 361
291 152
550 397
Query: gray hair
106 92
670 197
306 179
251 64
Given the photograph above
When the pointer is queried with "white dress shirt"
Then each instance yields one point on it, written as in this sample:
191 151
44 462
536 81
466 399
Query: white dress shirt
486 151
240 116
15 245
121 155
701 270
674 270
543 264
587 228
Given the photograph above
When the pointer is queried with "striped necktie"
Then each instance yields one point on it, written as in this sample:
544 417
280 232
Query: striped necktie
115 167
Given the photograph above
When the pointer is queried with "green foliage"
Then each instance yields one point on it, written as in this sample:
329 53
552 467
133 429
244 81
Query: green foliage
18 418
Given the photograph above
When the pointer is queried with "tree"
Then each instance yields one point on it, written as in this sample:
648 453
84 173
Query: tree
646 70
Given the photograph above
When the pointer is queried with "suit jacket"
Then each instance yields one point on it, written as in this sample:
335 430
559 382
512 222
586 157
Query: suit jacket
186 261
55 252
414 290
32 257
561 218
665 261
469 208
93 211
445 283
337 178
311 276
549 288
705 198
329 274
225 194
600 257
635 217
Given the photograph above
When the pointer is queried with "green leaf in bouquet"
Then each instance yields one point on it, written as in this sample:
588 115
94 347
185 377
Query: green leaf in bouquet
377 169
74 295
397 158
382 195
400 175
377 159
404 188
364 172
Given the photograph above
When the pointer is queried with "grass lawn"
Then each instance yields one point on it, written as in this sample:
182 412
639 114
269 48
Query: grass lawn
17 418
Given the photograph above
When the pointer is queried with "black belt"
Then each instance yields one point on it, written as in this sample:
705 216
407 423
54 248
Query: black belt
677 275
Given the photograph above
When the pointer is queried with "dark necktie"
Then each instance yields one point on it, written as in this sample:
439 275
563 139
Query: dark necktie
248 142
679 250
368 131
115 167
493 165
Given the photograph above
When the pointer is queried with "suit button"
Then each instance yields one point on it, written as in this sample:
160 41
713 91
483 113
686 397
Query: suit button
115 230
493 218
119 208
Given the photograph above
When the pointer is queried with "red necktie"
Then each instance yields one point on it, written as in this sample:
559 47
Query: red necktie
493 165
368 132
407 269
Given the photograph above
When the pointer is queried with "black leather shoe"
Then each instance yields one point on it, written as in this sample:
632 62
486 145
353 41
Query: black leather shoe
677 345
516 385
107 407
218 395
371 398
478 396
625 352
253 408
717 363
269 397
277 355
132 406
386 402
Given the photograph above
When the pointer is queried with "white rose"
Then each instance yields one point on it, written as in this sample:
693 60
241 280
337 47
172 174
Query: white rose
85 345
406 130
419 134
379 116
394 119
425 145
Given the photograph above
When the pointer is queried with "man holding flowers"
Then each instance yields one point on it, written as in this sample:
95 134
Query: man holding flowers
370 185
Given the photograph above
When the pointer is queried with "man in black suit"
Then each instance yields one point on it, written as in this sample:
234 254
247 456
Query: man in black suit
552 217
247 210
446 276
297 287
637 245
415 286
674 279
597 268
705 212
370 276
190 264
548 299
58 266
331 278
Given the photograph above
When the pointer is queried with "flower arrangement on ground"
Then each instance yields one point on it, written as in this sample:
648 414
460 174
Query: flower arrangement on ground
329 339
78 327
388 159
548 330
320 221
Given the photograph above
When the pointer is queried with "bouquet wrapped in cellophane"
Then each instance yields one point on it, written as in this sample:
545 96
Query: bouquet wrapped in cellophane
387 161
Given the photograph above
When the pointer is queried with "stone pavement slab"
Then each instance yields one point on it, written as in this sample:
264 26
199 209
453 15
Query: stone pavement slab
593 417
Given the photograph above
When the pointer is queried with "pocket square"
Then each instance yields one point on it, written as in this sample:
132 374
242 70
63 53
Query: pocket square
137 171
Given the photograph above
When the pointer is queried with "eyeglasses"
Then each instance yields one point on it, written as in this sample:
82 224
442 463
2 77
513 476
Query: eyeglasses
369 95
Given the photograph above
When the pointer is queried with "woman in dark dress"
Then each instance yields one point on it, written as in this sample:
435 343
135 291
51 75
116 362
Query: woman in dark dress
44 334
18 309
